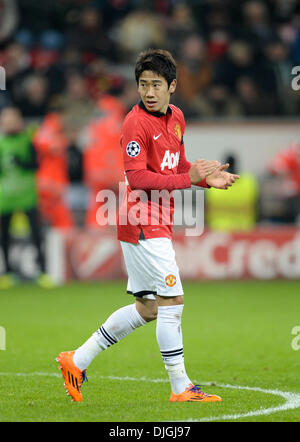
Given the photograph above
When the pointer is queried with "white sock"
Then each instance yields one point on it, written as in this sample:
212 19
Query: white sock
84 355
178 378
169 338
119 325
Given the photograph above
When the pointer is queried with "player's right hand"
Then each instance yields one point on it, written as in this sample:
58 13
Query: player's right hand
200 169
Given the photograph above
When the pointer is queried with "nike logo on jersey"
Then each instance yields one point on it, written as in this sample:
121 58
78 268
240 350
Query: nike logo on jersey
170 160
156 137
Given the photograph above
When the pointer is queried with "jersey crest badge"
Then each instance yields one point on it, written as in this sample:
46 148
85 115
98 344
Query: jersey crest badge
177 130
133 149
170 280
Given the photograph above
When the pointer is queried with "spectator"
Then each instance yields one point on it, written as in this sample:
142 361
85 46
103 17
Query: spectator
214 14
257 28
75 102
180 24
254 102
18 190
288 33
284 10
69 61
17 64
4 99
194 71
9 16
102 80
89 36
114 11
51 144
237 62
295 48
218 43
275 77
286 165
76 193
217 102
34 100
139 30
38 16
102 157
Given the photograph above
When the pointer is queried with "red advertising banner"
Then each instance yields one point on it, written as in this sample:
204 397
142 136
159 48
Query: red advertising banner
93 255
264 253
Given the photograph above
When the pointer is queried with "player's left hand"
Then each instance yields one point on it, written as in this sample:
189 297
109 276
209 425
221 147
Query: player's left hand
220 179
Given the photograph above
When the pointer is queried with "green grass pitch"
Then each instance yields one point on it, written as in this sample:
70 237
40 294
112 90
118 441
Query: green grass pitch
237 343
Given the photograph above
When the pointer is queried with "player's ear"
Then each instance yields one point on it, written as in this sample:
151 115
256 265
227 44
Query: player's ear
172 86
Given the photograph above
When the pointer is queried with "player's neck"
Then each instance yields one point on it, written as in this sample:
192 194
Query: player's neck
166 109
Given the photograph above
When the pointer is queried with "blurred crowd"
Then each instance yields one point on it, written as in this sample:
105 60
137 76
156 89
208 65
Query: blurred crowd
69 72
234 57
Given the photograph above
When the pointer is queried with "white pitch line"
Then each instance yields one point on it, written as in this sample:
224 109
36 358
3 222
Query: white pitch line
292 399
292 402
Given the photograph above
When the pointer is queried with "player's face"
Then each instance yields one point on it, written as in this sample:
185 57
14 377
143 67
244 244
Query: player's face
155 92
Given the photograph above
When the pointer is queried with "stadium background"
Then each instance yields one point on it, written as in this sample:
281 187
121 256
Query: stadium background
69 68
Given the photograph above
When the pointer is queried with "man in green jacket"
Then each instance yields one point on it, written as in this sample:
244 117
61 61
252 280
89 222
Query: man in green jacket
18 192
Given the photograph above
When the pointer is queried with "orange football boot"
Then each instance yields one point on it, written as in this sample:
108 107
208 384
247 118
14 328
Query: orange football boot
194 394
73 376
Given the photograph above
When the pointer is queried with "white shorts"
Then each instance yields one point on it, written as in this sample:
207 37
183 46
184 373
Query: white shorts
152 268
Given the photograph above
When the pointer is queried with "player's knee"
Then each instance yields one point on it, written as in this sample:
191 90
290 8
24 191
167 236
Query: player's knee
150 314
147 309
165 301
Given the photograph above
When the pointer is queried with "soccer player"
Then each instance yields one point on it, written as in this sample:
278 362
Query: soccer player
154 159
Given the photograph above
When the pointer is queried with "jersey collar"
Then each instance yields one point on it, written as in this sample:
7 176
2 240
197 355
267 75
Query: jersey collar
155 114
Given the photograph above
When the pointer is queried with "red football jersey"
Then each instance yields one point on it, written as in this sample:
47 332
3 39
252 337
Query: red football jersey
152 141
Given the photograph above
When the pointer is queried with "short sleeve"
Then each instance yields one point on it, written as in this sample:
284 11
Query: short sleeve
134 144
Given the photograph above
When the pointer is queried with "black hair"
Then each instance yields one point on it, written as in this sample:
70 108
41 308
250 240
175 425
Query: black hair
159 61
